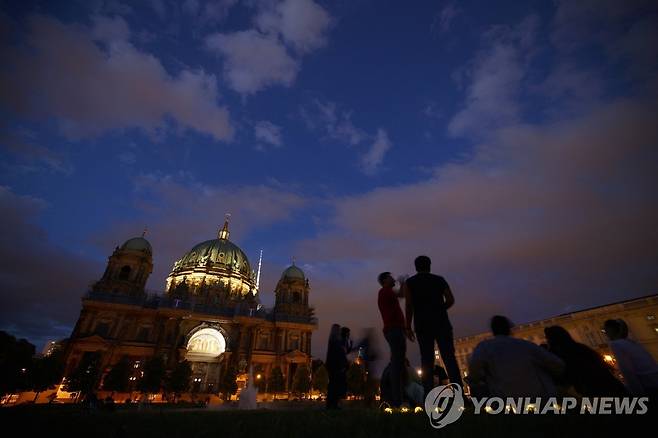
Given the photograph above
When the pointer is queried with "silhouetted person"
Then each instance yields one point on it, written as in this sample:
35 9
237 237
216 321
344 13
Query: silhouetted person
636 364
336 365
428 298
585 370
440 376
509 367
346 339
393 320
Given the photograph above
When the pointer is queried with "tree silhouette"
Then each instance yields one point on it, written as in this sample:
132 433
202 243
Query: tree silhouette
154 373
356 379
83 379
118 378
301 381
276 383
180 378
227 384
15 360
321 379
46 372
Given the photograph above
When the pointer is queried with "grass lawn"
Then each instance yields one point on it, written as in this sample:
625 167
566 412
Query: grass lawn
69 420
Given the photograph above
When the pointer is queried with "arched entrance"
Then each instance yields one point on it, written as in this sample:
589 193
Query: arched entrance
205 347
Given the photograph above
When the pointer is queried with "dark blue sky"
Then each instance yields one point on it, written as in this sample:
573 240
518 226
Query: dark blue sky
515 143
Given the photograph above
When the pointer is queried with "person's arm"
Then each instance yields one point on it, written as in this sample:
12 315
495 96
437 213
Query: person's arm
448 296
409 312
401 281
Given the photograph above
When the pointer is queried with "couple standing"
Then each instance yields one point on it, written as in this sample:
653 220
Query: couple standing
427 300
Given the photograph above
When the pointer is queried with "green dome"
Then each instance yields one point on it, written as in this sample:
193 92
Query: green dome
293 272
216 251
137 244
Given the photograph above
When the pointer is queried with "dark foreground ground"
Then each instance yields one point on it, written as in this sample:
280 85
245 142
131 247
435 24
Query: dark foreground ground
73 421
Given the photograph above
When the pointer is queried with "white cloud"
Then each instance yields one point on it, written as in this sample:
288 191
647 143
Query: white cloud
259 57
372 160
268 132
335 122
62 73
301 23
253 61
496 77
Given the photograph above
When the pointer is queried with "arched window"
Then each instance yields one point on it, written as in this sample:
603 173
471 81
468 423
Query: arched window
296 297
124 274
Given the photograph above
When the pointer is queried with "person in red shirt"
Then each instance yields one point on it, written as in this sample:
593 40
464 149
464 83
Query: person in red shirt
394 332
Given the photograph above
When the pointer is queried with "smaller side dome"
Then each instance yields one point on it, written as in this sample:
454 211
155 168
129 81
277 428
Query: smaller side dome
137 244
293 272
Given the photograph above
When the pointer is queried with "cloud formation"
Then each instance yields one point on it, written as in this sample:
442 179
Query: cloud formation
372 160
259 57
268 132
300 23
253 61
336 123
496 77
93 81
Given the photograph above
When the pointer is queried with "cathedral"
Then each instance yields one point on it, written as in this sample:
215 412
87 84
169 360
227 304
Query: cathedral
210 314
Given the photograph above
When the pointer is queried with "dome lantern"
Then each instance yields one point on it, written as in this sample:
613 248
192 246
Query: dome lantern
223 232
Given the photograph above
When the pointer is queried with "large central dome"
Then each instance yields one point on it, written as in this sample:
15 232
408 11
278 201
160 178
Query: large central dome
214 264
216 252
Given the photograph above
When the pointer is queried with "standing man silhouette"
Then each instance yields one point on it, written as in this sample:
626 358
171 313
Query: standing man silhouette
427 300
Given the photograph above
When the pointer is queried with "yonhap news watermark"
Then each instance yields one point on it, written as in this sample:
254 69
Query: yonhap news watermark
445 404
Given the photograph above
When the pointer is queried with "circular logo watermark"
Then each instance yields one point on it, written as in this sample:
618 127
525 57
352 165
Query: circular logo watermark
444 405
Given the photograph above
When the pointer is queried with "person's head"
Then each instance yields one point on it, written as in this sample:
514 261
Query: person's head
385 279
345 332
423 264
501 326
558 337
615 329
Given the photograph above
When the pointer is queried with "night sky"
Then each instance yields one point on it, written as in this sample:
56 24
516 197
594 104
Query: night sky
515 143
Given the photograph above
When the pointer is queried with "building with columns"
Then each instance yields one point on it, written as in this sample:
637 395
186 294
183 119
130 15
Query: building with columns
210 314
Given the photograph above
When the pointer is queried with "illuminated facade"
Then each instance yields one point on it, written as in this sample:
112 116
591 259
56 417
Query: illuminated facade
585 326
210 315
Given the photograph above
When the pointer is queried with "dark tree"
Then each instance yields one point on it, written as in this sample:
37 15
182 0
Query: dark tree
315 364
321 379
46 372
179 379
301 381
276 383
356 380
154 373
227 384
15 361
83 379
118 378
